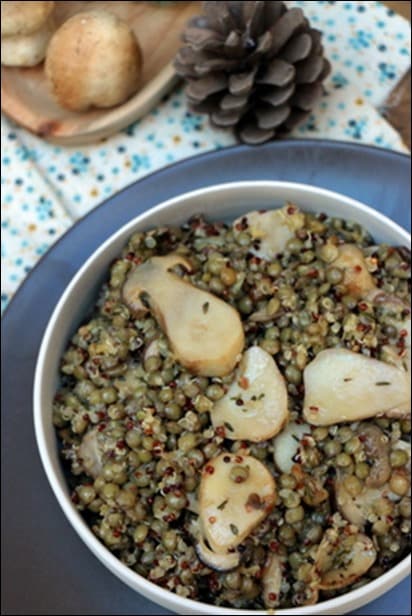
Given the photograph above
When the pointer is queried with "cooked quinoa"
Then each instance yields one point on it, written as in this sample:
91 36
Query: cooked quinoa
136 435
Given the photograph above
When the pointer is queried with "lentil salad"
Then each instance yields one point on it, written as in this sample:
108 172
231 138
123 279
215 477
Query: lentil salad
139 435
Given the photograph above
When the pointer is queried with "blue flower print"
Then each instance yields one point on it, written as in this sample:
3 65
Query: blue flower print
361 40
79 162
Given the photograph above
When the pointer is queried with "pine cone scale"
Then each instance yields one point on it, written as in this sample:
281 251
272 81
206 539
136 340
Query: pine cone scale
254 136
202 88
255 66
226 118
278 96
272 117
203 40
278 73
230 102
233 46
256 20
308 70
286 27
241 84
273 10
297 48
306 95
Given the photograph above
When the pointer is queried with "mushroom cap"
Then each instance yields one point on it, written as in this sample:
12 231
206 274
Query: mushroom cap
23 17
93 60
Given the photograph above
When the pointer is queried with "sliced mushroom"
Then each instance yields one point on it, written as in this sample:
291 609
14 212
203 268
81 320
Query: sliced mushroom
313 491
205 333
392 302
341 385
272 580
376 446
152 350
343 557
236 493
356 278
255 407
262 315
287 444
192 502
220 561
273 229
356 509
90 453
405 328
363 508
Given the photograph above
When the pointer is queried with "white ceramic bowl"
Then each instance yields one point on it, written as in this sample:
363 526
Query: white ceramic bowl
225 201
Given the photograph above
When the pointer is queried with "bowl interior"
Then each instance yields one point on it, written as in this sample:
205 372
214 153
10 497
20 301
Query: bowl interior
222 202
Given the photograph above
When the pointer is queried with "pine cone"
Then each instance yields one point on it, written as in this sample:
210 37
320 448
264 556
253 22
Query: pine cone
254 66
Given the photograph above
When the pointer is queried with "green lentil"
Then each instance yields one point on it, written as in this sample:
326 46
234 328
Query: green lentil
353 485
334 275
214 392
398 457
140 533
343 460
332 448
362 470
399 483
245 305
294 515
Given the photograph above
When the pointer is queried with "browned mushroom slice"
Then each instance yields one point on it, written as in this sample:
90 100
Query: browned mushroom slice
255 407
376 446
272 580
220 561
205 333
372 502
343 557
236 492
341 385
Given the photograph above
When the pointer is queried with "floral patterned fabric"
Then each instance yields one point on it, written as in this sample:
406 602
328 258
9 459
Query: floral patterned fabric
45 188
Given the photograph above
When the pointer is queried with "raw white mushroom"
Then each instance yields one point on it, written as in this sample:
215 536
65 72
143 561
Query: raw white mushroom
273 229
230 509
152 350
287 445
356 277
343 557
341 385
90 453
205 333
255 407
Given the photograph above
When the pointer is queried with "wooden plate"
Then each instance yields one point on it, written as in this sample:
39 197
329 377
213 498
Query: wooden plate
27 99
